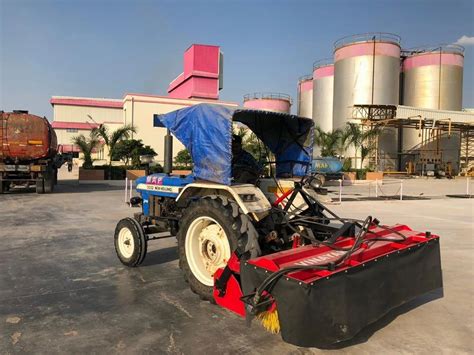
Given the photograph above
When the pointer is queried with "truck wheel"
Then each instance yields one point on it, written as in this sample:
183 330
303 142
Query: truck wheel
130 242
49 184
210 230
40 186
3 186
321 178
49 180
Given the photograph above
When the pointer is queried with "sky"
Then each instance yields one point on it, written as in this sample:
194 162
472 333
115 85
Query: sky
106 48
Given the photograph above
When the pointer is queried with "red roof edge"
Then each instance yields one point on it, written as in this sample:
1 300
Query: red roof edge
73 125
86 102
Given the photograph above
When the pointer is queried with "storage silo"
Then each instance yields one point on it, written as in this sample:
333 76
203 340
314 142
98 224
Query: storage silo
367 72
323 93
268 101
433 79
305 96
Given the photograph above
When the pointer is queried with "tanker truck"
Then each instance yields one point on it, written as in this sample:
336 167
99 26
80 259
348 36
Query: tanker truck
28 152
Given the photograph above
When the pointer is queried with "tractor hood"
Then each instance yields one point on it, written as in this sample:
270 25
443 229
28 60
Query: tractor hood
206 131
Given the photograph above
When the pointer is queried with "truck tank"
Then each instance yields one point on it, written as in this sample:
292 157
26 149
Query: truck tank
268 101
25 137
305 96
433 78
28 152
367 71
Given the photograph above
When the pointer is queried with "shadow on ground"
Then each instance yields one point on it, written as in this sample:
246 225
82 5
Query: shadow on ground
67 187
160 256
382 198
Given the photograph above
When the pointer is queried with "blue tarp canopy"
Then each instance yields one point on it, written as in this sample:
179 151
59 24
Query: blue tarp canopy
206 131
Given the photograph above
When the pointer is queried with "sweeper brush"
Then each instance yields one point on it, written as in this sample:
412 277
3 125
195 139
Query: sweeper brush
326 292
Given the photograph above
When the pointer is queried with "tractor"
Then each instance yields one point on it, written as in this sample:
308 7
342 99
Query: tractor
272 249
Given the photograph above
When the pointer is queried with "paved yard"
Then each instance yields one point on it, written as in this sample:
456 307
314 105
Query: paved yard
62 289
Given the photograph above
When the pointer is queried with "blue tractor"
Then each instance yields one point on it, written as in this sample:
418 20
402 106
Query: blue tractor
271 249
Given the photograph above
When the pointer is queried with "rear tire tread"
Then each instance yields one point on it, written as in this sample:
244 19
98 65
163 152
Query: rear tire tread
237 223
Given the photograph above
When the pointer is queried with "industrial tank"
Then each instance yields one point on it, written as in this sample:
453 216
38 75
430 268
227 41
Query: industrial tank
323 93
268 101
367 71
305 96
432 78
25 137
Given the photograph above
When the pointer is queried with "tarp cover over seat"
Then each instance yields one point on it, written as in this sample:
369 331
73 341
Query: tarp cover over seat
206 131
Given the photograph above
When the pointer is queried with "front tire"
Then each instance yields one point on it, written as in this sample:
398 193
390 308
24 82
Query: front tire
211 229
130 242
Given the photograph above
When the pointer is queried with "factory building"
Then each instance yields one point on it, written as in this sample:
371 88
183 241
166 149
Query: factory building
76 115
200 82
73 116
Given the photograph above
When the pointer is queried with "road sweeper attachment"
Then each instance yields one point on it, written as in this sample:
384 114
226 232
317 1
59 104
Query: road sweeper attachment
326 292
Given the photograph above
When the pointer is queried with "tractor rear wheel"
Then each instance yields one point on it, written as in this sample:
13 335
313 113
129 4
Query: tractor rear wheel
211 229
130 242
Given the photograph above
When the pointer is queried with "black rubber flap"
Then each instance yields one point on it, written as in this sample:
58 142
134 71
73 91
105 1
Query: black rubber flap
335 309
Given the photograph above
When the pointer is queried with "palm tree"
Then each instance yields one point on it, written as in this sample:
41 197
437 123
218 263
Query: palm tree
361 139
112 138
328 141
86 145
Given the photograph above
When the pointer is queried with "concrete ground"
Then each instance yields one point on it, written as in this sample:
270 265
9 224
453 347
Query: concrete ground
62 289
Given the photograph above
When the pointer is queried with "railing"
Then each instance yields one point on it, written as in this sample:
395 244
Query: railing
443 48
268 95
322 63
305 78
368 37
394 189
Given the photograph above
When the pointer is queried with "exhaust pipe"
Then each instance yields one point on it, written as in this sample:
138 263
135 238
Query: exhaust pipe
168 164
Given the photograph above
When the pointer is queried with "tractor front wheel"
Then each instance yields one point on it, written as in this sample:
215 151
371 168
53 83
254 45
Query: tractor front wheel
130 242
211 229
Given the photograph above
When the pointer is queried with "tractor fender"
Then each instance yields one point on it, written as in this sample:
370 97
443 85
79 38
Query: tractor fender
249 198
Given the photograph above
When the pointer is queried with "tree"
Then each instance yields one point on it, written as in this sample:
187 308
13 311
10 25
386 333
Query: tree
329 142
362 140
251 143
87 146
183 158
131 150
111 139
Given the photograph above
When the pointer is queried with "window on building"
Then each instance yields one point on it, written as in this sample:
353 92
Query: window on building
71 130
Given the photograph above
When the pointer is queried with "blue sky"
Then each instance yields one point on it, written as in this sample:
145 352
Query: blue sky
105 48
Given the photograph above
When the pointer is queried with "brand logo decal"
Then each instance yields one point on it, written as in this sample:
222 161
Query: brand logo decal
154 180
321 259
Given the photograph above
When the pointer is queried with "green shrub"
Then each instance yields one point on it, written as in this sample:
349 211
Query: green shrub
155 169
113 172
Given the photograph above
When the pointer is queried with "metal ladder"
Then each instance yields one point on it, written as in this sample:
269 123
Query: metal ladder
466 155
